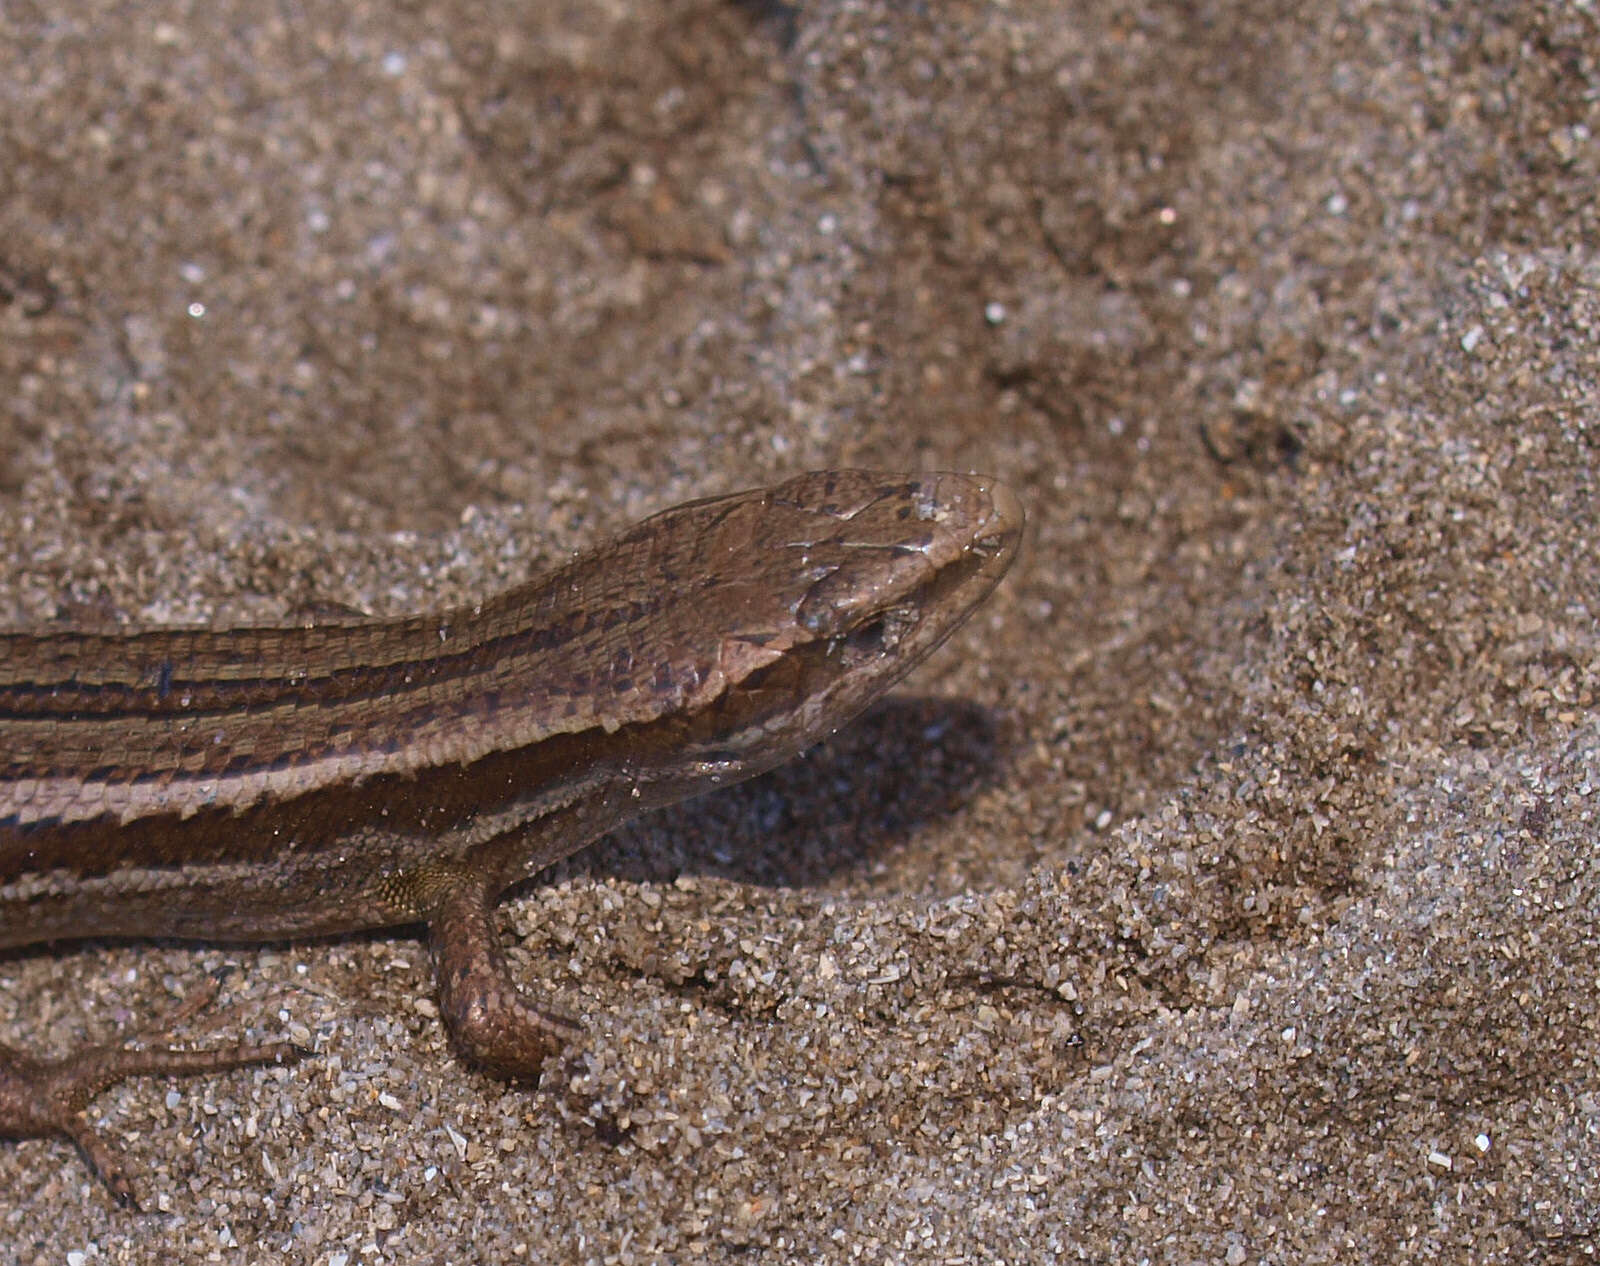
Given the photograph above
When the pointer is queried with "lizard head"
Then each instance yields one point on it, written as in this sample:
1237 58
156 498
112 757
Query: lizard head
807 601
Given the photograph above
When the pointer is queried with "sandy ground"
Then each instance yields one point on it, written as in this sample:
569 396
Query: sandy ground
1224 893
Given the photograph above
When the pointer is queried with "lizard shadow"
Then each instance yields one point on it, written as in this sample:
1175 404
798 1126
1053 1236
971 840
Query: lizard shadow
856 797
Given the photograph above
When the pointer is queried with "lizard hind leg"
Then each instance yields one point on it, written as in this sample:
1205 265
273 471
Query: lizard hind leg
46 1098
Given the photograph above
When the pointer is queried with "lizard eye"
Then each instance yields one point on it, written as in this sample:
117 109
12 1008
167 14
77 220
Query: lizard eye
868 636
875 637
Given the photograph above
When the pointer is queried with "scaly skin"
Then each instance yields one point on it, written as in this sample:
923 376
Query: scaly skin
261 783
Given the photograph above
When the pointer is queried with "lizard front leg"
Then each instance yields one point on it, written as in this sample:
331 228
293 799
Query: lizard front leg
492 1022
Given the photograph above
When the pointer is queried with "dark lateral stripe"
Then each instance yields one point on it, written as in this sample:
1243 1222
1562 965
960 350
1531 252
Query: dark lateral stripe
172 694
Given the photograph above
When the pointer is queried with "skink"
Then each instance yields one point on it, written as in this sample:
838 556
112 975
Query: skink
250 784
